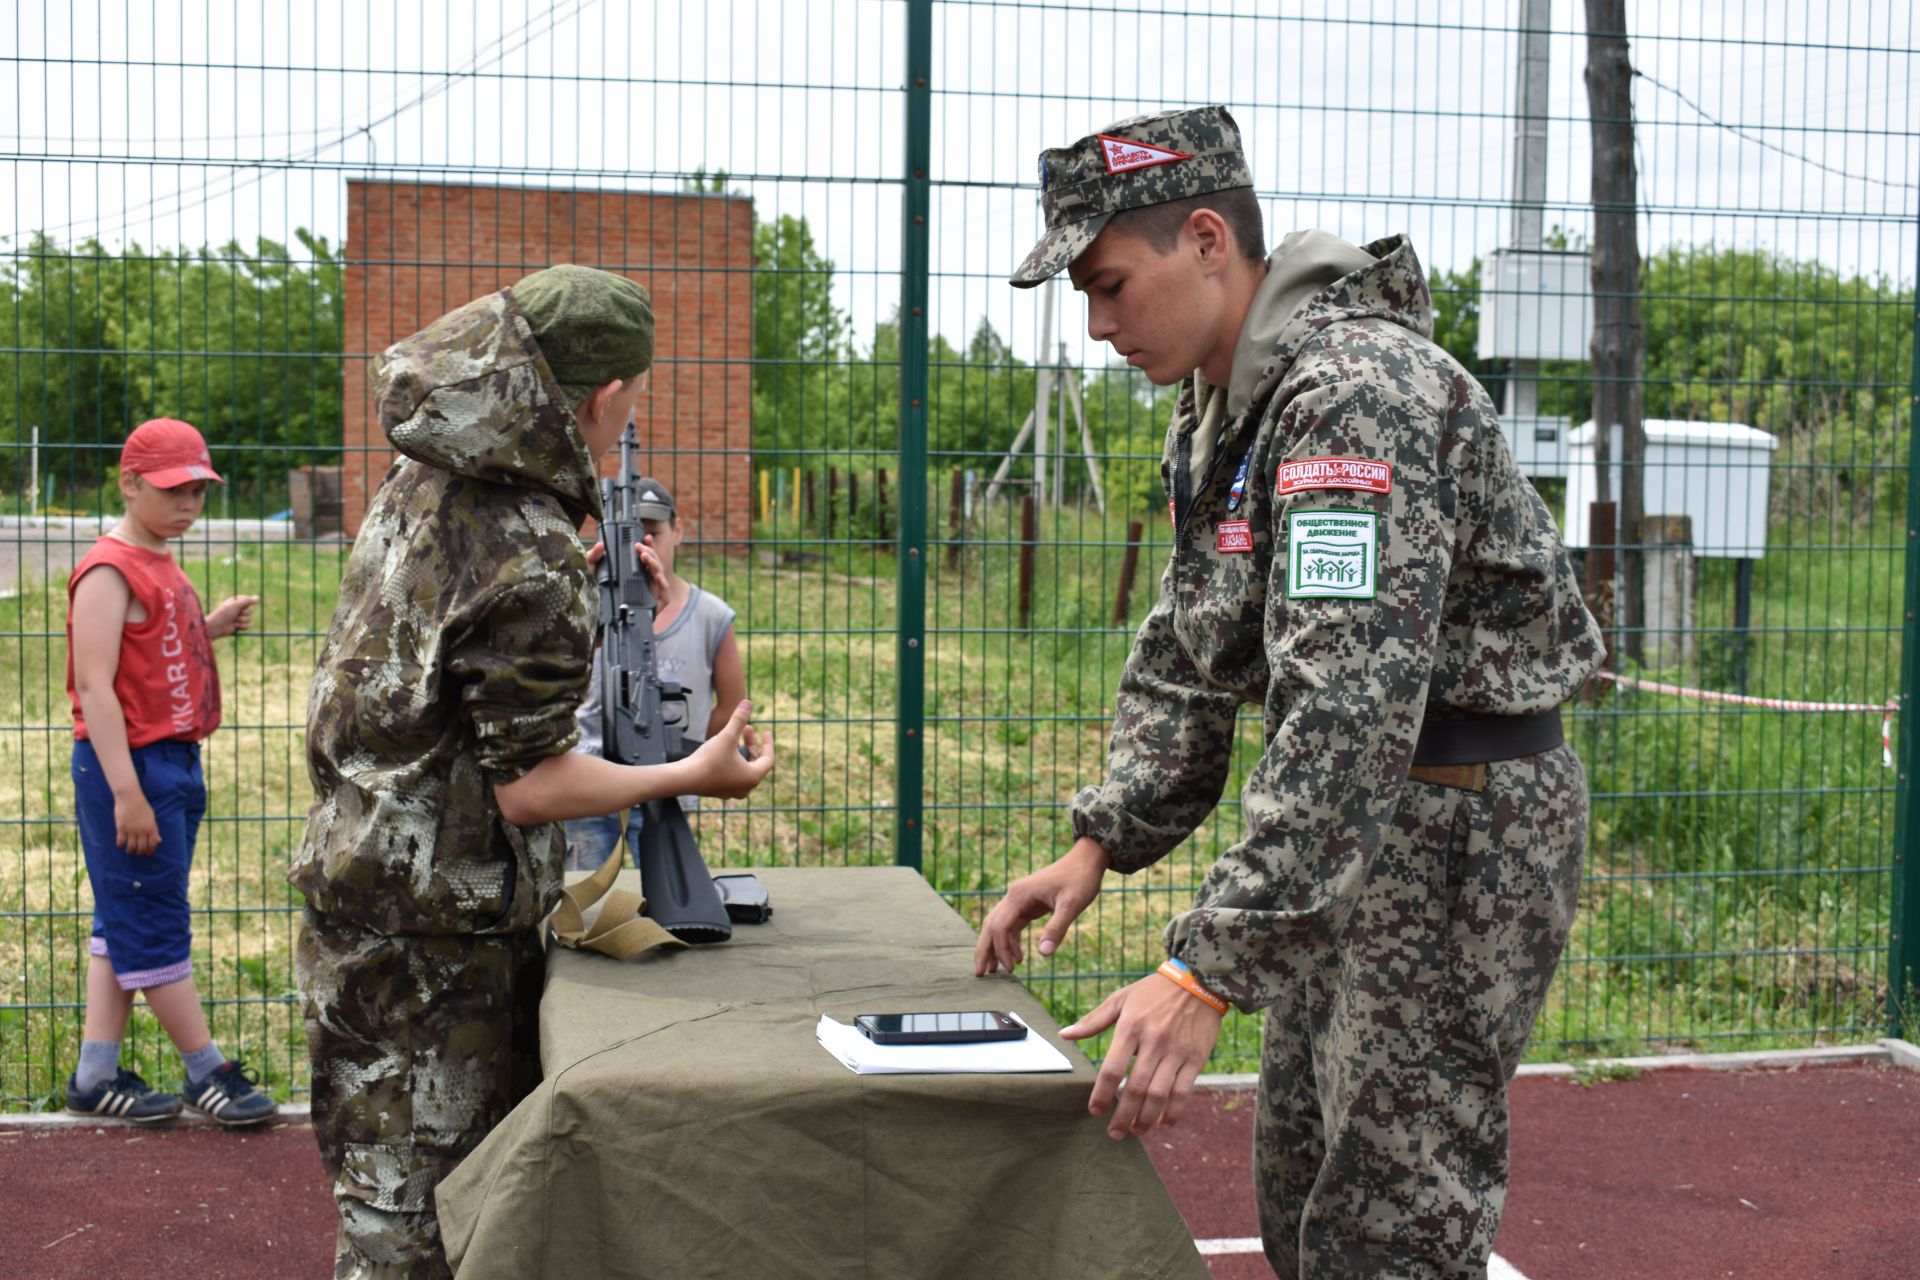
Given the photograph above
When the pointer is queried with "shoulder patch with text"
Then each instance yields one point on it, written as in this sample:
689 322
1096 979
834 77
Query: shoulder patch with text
1332 555
1362 474
1122 154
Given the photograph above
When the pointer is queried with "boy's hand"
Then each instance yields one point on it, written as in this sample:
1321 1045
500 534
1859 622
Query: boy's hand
732 762
135 829
656 574
234 615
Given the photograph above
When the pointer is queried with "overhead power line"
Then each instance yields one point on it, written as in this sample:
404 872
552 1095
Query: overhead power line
1740 133
485 56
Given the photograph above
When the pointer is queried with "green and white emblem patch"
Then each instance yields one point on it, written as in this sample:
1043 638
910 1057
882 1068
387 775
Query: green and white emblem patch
1332 555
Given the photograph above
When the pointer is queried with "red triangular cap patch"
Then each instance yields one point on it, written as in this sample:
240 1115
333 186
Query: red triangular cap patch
1122 154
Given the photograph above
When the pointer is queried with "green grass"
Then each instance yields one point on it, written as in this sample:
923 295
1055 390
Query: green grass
1739 881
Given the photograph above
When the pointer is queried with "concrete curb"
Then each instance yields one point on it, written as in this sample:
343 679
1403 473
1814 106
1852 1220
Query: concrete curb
1903 1053
1897 1052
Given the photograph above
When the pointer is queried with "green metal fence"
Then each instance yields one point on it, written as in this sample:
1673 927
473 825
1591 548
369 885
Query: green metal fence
211 214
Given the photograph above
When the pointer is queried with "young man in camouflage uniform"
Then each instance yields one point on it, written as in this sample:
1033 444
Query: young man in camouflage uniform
1355 553
437 736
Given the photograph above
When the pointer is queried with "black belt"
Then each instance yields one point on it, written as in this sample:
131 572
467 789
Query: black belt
1487 738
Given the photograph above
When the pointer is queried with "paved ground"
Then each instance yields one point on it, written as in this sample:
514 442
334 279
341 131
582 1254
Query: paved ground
1812 1174
45 550
1808 1174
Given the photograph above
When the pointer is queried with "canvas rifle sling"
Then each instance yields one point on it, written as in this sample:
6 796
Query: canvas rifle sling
619 930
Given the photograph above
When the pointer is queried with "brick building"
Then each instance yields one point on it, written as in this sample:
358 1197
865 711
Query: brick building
416 250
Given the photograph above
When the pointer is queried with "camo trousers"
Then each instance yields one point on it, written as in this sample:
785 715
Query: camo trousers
420 1045
1380 1140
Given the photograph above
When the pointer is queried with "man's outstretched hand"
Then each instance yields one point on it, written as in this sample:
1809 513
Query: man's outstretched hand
1062 890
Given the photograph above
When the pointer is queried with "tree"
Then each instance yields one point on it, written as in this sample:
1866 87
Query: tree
246 346
228 340
1619 343
800 342
64 376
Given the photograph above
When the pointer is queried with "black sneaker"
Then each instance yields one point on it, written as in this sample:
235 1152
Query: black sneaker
125 1097
228 1096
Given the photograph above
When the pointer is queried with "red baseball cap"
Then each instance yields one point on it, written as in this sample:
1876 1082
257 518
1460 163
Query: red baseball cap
167 452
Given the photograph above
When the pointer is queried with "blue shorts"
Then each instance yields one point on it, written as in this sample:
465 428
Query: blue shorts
141 922
590 840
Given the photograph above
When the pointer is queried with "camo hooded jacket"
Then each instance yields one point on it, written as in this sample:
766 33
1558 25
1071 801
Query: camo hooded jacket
1358 553
461 644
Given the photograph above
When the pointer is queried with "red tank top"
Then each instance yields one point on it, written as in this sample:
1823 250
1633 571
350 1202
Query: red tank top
167 683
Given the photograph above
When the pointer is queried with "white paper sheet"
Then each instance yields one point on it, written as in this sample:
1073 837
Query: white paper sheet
864 1057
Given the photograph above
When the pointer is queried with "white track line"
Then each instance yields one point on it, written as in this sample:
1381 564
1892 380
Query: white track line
1498 1268
1230 1244
1901 1053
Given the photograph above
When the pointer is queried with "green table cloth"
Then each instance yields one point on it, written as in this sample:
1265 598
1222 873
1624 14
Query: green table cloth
689 1125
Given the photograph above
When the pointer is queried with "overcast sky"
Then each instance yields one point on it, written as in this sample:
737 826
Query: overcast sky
192 123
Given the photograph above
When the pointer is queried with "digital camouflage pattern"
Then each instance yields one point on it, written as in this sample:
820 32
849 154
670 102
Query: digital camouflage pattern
420 1046
461 645
1082 186
1401 934
455 660
1477 613
1380 1138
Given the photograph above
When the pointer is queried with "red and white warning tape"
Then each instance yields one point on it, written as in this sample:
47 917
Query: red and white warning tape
1886 709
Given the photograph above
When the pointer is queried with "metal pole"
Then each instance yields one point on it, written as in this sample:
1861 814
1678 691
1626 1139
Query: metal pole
1042 391
916 207
1903 960
1529 183
1060 427
1742 621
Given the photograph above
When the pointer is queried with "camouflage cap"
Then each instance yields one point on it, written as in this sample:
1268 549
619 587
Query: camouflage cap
593 326
1142 161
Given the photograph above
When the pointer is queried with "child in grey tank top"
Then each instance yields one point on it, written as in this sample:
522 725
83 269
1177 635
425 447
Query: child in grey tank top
694 646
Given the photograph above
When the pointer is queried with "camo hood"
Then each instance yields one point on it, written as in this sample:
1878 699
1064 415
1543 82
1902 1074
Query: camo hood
461 645
1297 299
472 394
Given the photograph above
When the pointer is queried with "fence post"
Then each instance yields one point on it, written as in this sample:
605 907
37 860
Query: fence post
1903 960
955 517
1027 535
1127 567
915 208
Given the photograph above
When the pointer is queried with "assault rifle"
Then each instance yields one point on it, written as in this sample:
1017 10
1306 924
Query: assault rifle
644 719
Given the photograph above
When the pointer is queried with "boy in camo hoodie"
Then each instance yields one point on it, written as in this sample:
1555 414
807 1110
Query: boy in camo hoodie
438 730
1355 553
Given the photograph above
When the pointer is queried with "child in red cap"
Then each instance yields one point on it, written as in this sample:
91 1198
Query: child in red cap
145 691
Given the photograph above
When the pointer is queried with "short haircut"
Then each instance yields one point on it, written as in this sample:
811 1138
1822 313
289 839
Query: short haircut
1159 224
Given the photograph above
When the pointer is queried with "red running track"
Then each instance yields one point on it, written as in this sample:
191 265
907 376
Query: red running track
1812 1174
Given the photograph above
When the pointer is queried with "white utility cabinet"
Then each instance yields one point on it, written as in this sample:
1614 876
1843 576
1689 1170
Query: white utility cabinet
1714 472
1535 304
1539 444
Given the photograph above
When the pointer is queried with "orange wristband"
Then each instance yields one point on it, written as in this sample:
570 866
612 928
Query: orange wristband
1176 972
